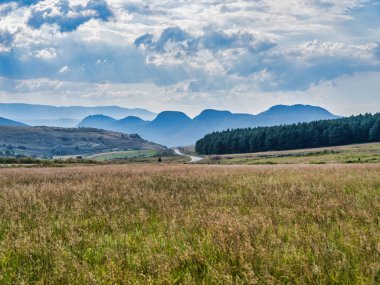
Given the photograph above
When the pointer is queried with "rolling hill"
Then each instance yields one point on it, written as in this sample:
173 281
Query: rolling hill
176 128
48 141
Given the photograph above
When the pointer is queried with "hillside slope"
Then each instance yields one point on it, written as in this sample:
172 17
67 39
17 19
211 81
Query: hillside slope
47 141
7 122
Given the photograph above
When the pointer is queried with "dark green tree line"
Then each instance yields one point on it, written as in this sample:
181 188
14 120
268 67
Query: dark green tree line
354 129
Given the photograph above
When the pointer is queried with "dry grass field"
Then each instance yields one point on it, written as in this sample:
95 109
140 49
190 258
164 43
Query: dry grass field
357 153
190 224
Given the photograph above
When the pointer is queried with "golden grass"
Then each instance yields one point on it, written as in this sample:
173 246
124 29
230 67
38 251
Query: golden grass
357 153
190 224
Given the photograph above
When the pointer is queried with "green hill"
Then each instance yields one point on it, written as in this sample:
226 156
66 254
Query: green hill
48 141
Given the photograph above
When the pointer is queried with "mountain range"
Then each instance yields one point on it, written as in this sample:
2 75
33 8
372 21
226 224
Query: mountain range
44 115
170 128
173 128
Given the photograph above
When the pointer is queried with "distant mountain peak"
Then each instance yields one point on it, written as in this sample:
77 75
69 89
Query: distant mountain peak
98 116
132 119
295 106
213 112
98 121
297 109
168 115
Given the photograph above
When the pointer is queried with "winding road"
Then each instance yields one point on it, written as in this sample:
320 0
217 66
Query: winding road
193 158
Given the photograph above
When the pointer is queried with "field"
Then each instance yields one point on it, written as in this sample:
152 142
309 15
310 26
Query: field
190 224
123 155
360 153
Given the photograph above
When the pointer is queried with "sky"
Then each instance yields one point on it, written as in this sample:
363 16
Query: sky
242 55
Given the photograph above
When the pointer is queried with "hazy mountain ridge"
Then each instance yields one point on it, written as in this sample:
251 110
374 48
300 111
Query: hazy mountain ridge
50 141
295 114
45 115
173 128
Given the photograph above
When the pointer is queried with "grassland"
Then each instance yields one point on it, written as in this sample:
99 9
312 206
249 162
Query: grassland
119 157
123 155
127 157
190 224
360 153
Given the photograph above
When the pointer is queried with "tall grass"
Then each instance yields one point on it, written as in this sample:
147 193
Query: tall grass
146 224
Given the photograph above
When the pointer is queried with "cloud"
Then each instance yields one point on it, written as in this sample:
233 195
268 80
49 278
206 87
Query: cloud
302 66
6 8
217 40
187 52
299 67
64 69
145 40
68 17
46 53
172 38
94 61
243 54
143 9
6 39
377 51
211 40
22 2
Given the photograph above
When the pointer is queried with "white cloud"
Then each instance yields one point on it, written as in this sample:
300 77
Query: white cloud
200 53
64 69
47 53
317 48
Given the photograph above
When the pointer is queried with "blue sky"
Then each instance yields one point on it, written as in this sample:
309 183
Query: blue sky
243 55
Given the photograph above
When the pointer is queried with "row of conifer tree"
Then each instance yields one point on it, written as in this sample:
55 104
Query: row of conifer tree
351 130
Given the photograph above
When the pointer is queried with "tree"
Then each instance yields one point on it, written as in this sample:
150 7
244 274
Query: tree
374 133
355 129
339 135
